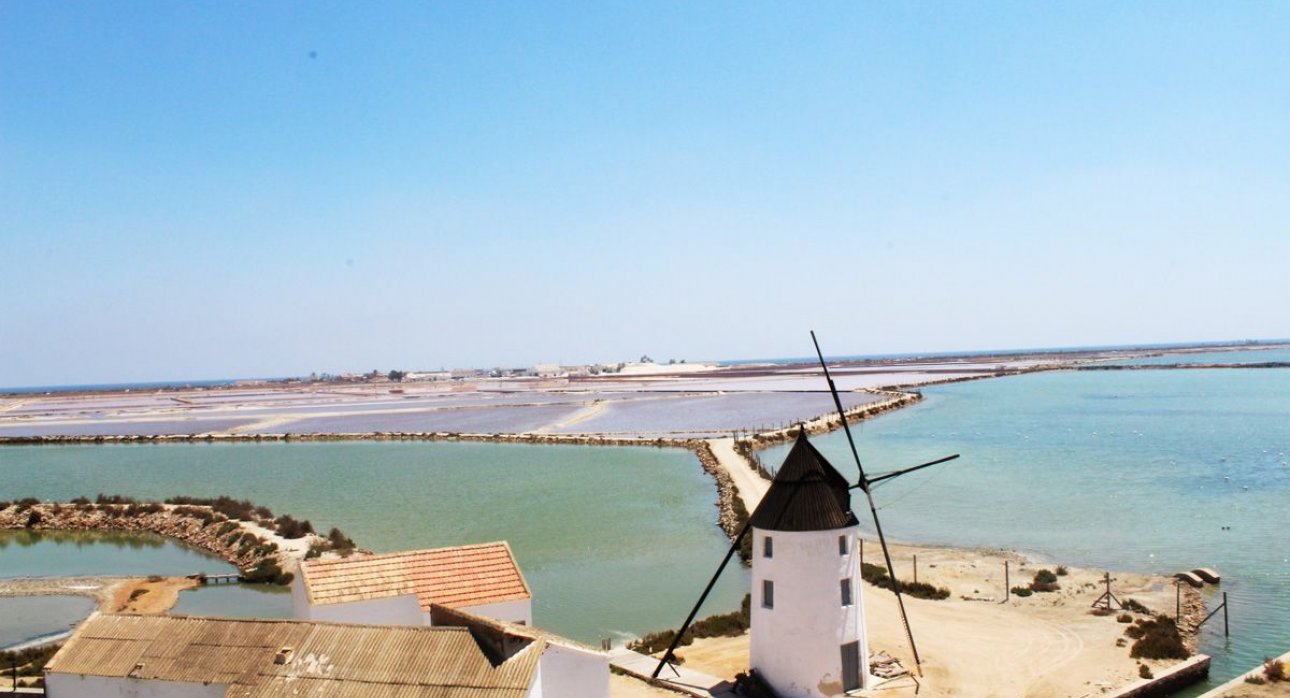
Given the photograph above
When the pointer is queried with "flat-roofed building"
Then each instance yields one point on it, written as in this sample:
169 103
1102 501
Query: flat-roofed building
465 656
400 588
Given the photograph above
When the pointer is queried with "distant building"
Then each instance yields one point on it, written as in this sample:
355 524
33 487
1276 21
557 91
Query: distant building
548 370
400 588
462 656
807 635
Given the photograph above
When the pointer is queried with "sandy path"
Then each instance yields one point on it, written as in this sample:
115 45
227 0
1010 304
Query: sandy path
148 596
752 486
588 412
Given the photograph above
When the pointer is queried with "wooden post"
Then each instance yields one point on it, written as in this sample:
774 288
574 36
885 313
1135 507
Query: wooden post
1177 601
915 569
1225 633
861 553
1007 583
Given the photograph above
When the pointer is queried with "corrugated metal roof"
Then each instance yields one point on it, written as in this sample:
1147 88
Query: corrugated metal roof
467 575
326 659
807 494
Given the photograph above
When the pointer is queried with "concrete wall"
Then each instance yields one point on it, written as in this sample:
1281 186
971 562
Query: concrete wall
568 672
509 611
75 686
797 645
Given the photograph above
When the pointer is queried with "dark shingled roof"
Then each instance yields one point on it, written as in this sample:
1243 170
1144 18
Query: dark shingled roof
807 494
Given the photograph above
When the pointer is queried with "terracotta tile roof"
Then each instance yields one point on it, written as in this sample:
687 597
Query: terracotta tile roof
331 659
467 575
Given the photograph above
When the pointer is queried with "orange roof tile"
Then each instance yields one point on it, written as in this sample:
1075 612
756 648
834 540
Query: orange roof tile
467 575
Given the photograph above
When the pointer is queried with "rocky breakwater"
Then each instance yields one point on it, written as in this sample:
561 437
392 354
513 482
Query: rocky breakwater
247 544
894 400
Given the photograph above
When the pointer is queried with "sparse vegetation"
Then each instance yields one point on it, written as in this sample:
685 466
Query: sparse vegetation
1144 671
1124 618
1023 592
31 661
721 625
877 576
1062 571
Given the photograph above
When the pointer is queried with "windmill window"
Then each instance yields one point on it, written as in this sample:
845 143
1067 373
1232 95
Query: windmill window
846 592
767 594
767 547
842 545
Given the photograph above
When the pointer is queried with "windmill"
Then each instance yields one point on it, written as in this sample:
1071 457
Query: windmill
814 501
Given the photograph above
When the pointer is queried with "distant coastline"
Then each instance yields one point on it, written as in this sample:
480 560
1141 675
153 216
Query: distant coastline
1058 353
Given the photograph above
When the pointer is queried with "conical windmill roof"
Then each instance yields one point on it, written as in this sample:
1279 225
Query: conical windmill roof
807 494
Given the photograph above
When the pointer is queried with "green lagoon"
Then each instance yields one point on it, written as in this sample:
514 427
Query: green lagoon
613 541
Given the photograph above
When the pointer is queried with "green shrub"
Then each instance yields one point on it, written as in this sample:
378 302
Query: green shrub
1134 606
1255 680
1062 571
1156 638
1144 671
113 499
267 572
1021 591
1045 581
1124 618
1274 670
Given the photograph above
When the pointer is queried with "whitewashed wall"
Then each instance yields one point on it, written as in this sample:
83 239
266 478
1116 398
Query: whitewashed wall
509 611
797 645
75 686
569 672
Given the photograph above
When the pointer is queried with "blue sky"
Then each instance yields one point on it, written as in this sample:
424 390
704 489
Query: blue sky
193 190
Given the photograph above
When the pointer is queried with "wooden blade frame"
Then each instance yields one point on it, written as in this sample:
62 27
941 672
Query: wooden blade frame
873 509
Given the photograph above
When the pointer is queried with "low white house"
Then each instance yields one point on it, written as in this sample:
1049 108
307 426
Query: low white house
807 635
463 656
400 588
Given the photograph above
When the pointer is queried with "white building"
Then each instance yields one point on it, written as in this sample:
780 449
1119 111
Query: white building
399 588
463 656
808 629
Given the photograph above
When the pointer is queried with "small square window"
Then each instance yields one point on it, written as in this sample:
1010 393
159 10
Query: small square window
846 592
767 547
842 545
767 594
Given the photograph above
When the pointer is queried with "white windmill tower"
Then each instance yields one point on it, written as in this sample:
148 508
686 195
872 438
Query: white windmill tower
808 630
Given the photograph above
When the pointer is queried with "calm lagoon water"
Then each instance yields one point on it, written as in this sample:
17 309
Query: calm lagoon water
80 553
612 540
28 618
236 601
1135 470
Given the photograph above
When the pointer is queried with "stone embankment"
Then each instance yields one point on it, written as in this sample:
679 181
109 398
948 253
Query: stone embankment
731 514
746 448
241 543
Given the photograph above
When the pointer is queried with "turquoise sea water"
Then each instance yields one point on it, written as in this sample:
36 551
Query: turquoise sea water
1134 471
611 540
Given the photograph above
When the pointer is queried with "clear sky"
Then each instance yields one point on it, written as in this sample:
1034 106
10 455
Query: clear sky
222 189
